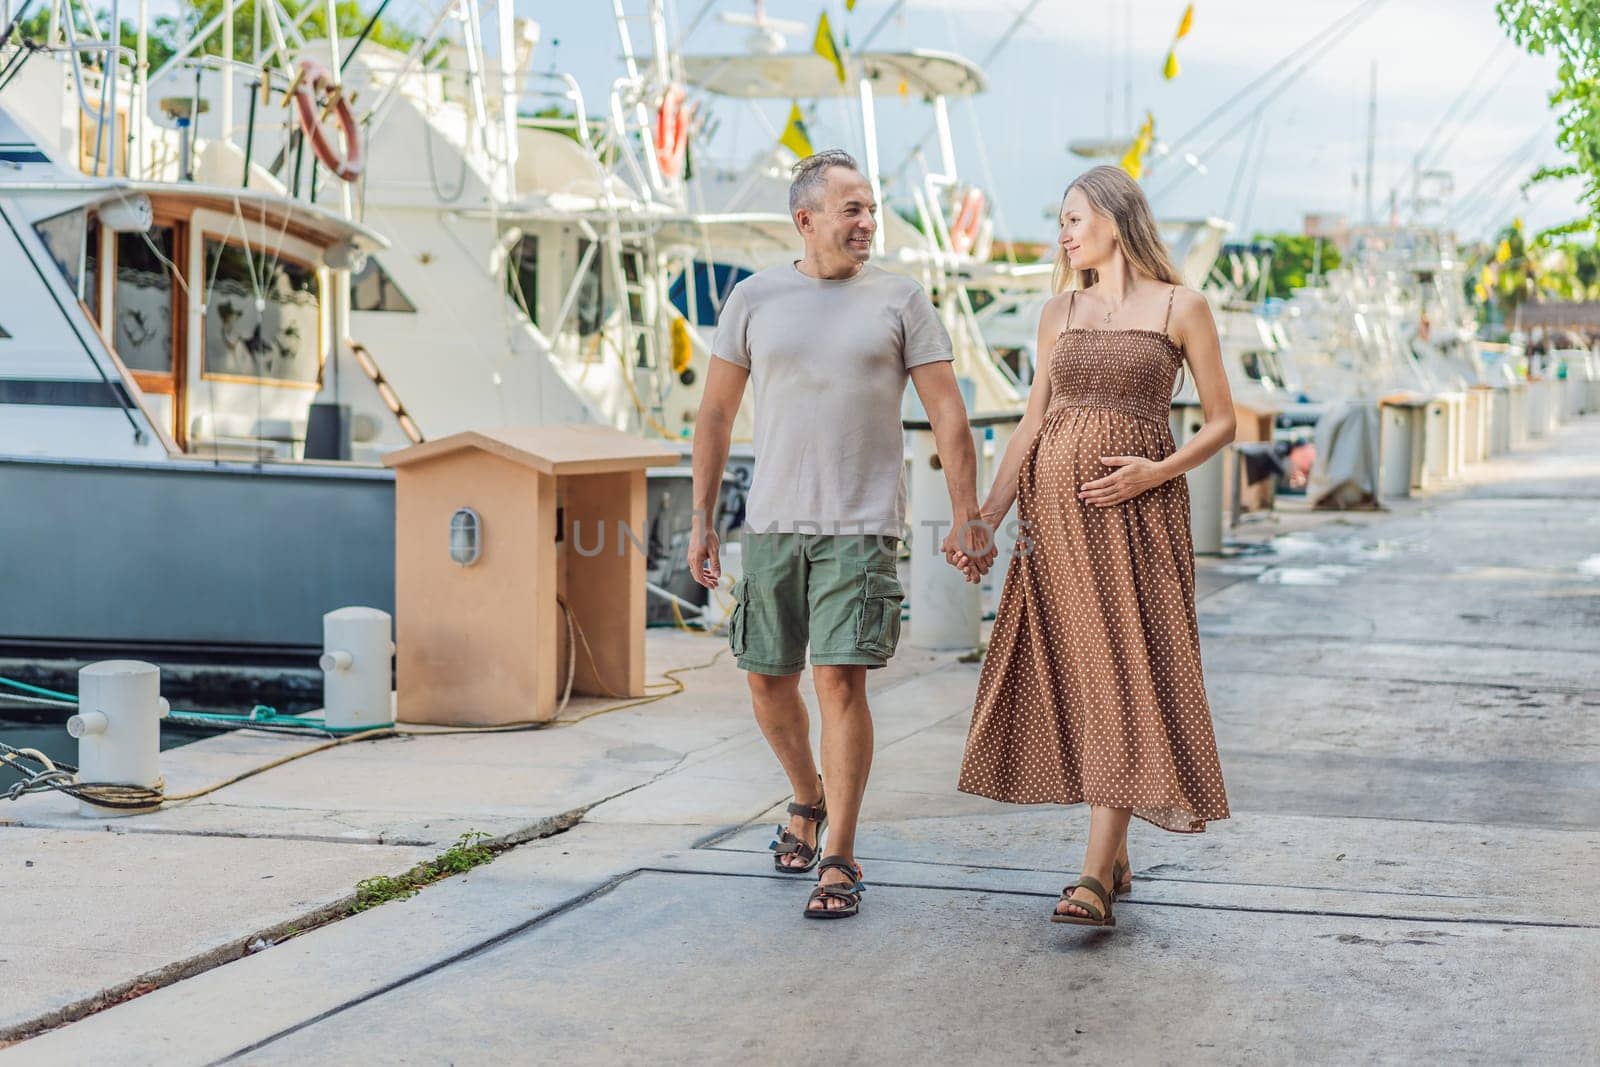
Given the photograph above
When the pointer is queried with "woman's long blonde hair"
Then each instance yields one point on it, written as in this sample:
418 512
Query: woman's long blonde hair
1118 197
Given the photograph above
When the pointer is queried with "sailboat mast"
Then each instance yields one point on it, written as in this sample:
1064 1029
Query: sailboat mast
1372 136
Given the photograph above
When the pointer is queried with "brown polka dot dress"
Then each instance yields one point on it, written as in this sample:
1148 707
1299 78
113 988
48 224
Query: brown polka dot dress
1092 688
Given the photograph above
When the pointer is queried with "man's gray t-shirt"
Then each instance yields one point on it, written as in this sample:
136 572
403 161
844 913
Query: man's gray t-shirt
828 362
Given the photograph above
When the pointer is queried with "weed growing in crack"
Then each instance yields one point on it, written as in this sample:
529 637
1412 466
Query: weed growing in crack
468 852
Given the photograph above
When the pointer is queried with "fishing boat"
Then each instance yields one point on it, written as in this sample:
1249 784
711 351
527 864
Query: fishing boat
187 439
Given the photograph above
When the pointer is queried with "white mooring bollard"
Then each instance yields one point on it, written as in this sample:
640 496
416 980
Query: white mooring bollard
1206 511
357 667
946 610
118 727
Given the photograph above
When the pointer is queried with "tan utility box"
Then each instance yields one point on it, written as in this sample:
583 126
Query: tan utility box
491 528
1253 425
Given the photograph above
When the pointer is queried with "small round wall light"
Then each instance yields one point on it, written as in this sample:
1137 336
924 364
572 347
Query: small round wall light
466 537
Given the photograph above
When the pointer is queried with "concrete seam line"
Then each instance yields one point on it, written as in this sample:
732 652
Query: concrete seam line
236 948
715 837
1372 639
1141 877
1457 921
1566 690
438 965
153 831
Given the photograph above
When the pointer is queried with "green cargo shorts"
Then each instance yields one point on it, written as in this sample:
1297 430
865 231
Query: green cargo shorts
837 593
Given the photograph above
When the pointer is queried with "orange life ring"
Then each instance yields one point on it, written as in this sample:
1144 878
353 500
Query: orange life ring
311 82
964 234
672 132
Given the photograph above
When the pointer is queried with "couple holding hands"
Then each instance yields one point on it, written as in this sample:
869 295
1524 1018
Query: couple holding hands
1091 690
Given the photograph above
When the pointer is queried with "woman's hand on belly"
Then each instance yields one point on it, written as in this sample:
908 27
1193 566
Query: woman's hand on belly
1132 475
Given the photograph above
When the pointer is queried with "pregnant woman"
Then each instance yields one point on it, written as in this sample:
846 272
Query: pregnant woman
1092 690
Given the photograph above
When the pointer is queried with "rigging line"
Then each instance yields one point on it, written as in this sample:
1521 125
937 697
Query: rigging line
17 20
1290 79
1456 105
694 24
362 37
913 153
1255 173
1497 174
1244 162
989 180
877 28
1341 25
1493 199
249 258
277 243
1438 152
1485 219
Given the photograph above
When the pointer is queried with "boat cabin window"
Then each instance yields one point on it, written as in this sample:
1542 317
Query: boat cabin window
142 307
522 276
590 311
91 267
1263 366
712 284
262 317
63 238
371 289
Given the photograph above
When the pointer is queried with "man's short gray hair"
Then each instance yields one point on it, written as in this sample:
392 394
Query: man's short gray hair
810 176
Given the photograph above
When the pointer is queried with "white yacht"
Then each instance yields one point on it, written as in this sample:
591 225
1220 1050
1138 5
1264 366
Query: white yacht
179 409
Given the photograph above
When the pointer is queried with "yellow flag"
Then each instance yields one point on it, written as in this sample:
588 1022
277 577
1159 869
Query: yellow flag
1133 161
849 5
1169 69
1503 253
1186 23
795 138
824 47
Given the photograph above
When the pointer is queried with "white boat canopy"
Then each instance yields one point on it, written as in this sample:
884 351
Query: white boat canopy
920 73
311 222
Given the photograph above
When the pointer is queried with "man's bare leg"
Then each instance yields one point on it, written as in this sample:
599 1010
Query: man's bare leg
846 758
781 714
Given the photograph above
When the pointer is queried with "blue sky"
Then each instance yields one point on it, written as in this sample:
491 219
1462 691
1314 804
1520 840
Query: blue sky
1051 86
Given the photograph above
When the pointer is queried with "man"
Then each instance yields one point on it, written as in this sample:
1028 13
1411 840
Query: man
828 342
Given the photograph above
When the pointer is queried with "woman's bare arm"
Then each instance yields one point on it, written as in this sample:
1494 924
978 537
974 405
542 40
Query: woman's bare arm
1003 493
1196 333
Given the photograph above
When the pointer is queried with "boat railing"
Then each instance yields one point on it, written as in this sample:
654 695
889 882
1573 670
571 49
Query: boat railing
629 92
578 125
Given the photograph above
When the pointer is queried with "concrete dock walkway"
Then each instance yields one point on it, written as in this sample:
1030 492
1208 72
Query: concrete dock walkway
1408 711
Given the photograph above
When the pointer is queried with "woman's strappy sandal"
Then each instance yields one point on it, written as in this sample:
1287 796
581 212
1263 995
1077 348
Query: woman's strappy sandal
1121 880
849 892
788 844
1093 916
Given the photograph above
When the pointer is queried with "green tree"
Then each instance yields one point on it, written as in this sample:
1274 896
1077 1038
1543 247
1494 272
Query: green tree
166 31
349 19
1295 261
1513 269
1568 30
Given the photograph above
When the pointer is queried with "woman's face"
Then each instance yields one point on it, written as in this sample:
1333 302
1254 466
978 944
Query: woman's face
1086 236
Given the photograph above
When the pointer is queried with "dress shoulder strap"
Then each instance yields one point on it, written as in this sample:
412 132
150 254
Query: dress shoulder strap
1168 320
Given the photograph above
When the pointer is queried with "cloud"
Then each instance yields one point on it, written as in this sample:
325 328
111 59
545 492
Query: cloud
1064 78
